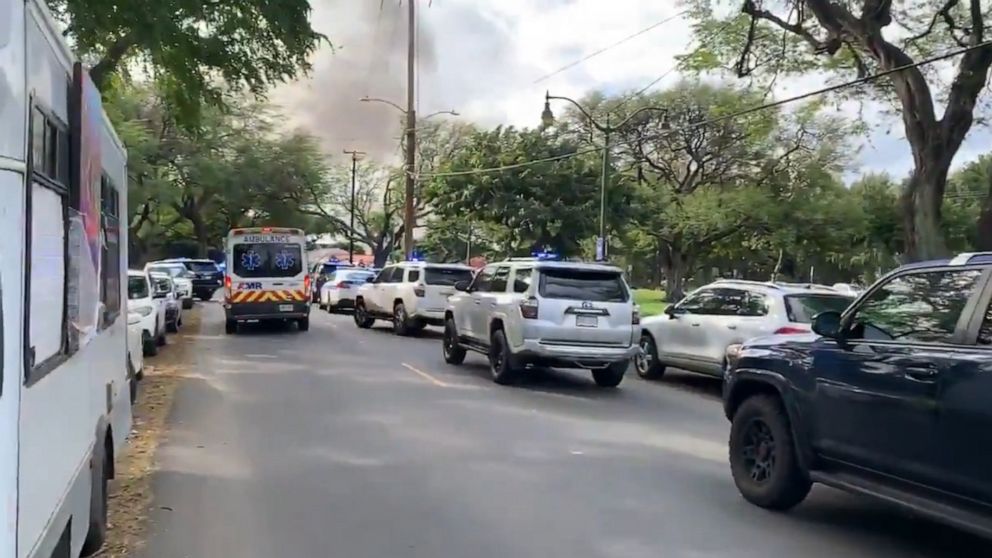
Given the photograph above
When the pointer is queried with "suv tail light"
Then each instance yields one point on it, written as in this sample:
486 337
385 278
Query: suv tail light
419 291
790 330
635 317
528 308
342 285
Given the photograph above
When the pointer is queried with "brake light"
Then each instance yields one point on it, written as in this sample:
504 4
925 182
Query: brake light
528 308
306 283
419 291
227 285
790 330
635 317
341 285
266 229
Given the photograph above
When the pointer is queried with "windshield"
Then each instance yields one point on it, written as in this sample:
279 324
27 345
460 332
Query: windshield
268 260
802 308
172 271
137 287
580 284
349 275
446 276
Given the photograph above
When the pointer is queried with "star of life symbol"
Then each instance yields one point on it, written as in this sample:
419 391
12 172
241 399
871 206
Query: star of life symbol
251 260
285 260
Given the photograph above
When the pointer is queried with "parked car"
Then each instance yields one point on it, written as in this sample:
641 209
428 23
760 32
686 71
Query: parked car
207 277
530 312
848 289
341 287
144 301
410 294
319 273
888 398
182 277
706 328
135 352
166 288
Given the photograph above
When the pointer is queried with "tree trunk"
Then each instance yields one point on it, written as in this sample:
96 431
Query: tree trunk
984 240
922 201
674 264
201 234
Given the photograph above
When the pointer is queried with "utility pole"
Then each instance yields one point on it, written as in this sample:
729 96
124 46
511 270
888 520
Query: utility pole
355 155
411 134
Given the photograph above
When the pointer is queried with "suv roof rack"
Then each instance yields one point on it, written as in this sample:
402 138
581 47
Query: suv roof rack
767 284
965 258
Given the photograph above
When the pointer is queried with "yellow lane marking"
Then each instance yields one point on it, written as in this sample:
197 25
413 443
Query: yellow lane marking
425 375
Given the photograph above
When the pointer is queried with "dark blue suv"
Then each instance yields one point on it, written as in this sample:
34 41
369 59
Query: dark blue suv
891 398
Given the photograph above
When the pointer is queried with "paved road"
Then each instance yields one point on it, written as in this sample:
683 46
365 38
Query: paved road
358 444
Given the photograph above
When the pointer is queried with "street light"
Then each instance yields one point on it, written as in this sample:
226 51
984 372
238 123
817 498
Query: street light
409 217
548 119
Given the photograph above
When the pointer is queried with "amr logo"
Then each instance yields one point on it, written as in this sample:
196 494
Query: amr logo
249 286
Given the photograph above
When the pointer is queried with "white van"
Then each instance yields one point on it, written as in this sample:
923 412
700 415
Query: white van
65 404
266 277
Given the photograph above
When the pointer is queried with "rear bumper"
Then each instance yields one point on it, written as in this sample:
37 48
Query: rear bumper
244 311
573 356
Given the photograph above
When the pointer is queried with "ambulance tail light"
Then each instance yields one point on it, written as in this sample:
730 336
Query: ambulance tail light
306 284
227 286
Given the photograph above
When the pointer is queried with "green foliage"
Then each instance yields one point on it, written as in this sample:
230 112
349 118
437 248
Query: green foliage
197 51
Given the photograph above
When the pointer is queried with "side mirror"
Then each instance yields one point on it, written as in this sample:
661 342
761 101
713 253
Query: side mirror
827 324
370 279
673 311
462 286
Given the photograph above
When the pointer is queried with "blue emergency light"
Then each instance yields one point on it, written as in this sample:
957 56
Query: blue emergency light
546 255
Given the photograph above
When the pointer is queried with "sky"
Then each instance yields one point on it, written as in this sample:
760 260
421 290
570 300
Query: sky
483 59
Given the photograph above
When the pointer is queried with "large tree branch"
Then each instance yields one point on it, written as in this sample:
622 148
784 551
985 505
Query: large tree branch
829 46
111 59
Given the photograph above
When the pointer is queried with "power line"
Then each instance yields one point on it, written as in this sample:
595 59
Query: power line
745 112
612 46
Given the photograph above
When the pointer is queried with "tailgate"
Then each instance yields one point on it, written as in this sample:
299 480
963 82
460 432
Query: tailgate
585 307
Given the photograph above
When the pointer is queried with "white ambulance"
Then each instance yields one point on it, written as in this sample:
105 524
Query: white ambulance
266 277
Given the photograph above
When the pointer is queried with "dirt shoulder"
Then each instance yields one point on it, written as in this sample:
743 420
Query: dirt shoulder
131 493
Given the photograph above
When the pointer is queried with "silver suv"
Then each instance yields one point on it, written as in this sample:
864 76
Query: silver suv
530 312
706 329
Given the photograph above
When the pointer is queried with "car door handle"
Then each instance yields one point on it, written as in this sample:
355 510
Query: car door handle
731 326
923 373
694 324
477 301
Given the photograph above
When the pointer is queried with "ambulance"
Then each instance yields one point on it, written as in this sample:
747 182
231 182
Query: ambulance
266 277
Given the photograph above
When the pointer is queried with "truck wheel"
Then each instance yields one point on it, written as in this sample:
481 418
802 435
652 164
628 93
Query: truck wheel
647 364
763 458
453 352
303 324
230 327
612 375
501 360
361 316
401 325
97 533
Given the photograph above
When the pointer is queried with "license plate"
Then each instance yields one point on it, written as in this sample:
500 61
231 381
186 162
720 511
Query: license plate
285 307
587 321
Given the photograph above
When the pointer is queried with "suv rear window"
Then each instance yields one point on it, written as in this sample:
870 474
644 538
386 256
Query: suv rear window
268 260
802 308
446 276
202 267
580 284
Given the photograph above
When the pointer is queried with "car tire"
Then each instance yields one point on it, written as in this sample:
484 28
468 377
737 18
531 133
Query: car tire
187 303
303 324
452 351
149 345
172 327
501 364
763 458
361 316
231 327
401 322
647 364
612 375
161 341
97 532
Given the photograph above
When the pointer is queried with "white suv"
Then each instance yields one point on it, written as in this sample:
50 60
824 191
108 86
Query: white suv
704 331
410 294
529 312
145 302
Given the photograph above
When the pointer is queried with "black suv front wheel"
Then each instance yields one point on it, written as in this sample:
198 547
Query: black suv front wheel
453 352
500 359
763 458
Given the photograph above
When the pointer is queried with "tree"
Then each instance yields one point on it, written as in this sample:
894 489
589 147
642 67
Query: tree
551 204
701 184
199 51
970 191
776 37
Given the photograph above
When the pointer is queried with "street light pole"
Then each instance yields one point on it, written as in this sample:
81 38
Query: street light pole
351 226
411 135
547 119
